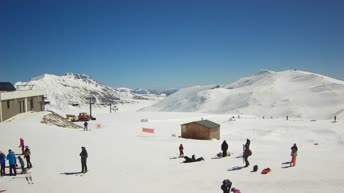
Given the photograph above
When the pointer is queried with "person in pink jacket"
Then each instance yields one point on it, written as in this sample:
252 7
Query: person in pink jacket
234 190
21 145
293 154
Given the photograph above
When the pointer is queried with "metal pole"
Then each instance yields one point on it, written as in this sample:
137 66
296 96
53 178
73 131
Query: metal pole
110 107
90 107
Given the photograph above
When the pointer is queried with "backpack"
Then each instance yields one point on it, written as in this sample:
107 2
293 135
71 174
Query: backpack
249 152
255 168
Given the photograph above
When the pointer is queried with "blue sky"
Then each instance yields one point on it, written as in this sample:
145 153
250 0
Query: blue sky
169 43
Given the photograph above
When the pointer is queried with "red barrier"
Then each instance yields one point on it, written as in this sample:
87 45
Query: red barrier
147 130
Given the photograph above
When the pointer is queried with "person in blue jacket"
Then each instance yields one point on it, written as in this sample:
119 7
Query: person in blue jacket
12 161
2 163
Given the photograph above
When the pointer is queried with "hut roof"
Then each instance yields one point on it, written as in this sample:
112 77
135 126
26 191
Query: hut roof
6 86
206 123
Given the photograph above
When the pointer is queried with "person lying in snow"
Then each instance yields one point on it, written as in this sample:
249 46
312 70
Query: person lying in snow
192 159
234 190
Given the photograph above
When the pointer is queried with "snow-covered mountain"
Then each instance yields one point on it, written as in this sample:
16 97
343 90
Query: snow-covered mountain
74 89
161 92
271 94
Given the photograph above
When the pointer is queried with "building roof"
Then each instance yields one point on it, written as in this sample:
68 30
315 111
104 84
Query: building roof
205 123
6 86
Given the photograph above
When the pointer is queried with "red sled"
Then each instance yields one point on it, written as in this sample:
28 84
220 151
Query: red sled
266 171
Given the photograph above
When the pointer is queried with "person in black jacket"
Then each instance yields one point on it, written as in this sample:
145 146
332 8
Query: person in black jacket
192 159
226 186
85 126
83 156
224 148
246 154
247 145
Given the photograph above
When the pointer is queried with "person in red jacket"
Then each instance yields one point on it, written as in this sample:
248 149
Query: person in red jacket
293 155
21 145
181 150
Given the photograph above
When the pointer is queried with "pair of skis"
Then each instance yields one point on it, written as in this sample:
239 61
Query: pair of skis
28 178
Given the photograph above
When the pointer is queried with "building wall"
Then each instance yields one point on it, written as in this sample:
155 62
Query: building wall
197 131
18 105
214 133
11 108
35 103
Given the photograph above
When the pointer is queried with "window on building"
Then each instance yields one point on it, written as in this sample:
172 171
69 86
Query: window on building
8 104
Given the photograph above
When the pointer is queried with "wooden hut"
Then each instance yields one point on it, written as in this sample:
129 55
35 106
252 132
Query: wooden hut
204 129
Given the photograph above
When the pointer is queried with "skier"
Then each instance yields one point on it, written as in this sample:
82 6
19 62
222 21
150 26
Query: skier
335 118
181 150
83 156
226 186
2 163
234 190
85 126
27 156
12 161
22 165
224 148
293 155
21 145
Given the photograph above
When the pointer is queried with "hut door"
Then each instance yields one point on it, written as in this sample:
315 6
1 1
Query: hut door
21 106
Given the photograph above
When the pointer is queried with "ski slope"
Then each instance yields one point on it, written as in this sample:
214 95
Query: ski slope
123 159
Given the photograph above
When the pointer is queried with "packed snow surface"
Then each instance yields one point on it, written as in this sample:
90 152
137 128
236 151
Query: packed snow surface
122 159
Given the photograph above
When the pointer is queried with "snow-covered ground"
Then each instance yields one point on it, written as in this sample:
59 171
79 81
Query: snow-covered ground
122 159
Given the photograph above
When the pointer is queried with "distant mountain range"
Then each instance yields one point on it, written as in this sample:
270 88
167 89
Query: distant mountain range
270 94
75 89
161 92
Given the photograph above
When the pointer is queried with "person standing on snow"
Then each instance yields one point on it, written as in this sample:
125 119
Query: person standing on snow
181 150
85 126
247 144
224 148
21 145
83 156
22 165
2 163
27 156
12 161
293 155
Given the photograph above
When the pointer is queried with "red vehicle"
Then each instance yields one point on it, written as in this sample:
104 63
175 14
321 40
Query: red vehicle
83 117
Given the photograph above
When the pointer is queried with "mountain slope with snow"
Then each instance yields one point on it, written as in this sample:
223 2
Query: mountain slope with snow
270 94
63 91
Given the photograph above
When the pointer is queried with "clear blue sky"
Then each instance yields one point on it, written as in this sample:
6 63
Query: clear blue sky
169 43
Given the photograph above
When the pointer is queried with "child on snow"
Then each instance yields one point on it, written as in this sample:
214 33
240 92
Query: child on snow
21 145
293 155
22 165
181 150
